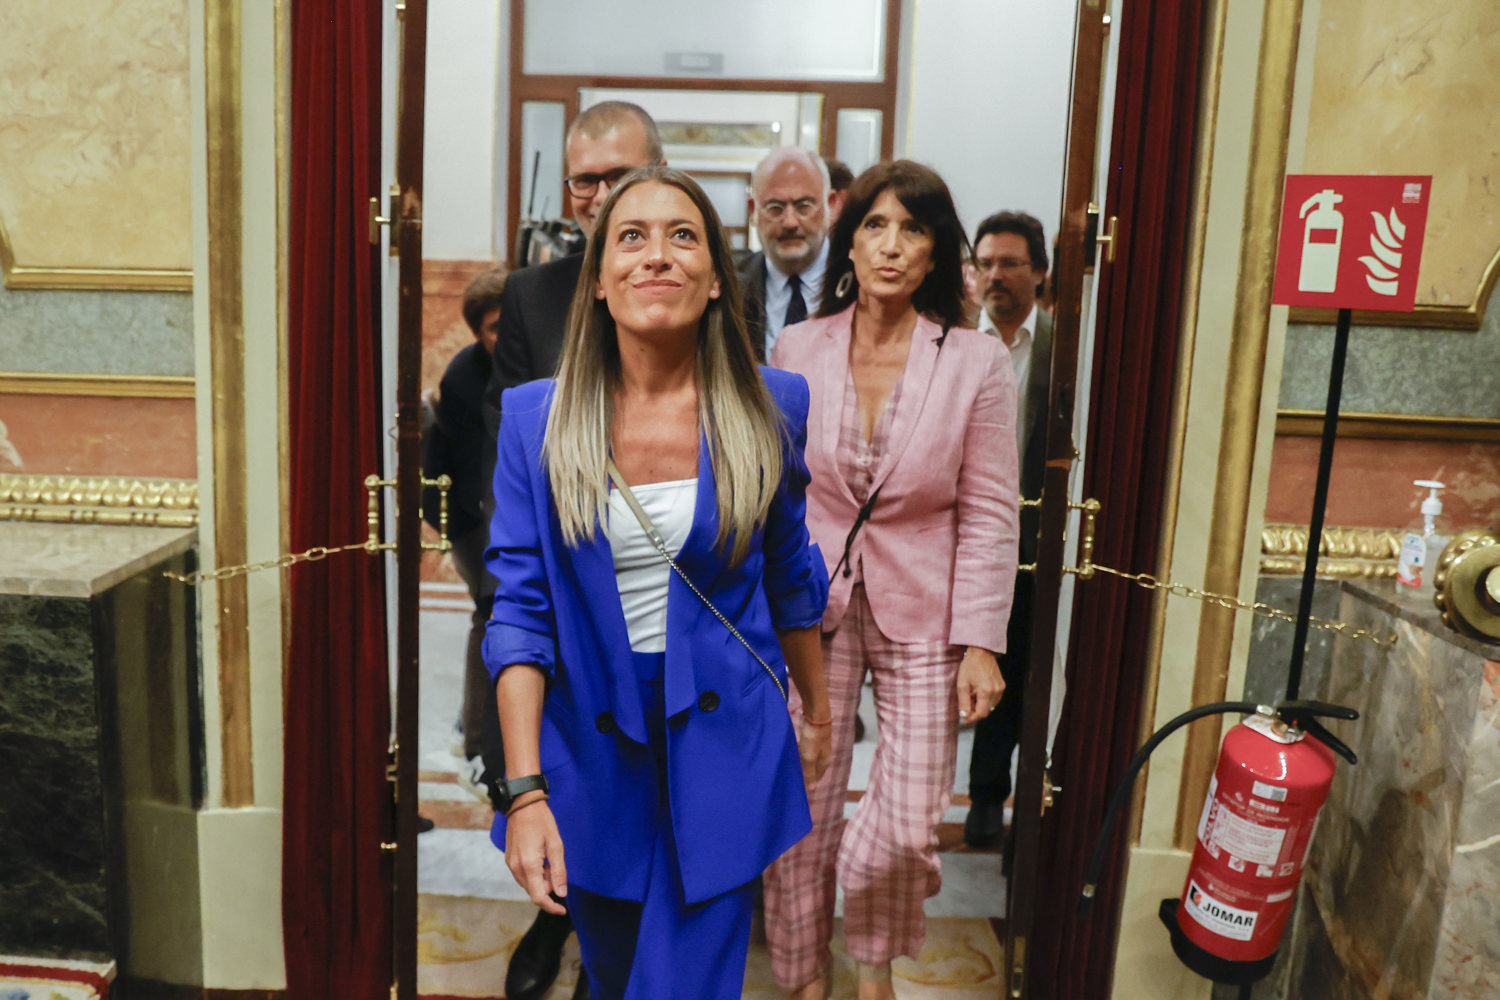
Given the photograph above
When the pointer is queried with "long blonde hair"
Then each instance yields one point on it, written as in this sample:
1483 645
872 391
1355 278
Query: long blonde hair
745 430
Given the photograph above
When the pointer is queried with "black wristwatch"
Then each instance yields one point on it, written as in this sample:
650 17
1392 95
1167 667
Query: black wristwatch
507 791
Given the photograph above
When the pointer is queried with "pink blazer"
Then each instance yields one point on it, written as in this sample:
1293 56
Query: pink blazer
939 550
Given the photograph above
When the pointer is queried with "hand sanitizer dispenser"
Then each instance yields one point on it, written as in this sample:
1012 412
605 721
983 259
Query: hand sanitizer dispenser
1420 548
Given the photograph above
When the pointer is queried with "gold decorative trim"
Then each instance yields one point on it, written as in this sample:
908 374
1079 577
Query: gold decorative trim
1345 553
1390 426
123 279
165 503
134 386
223 37
1244 384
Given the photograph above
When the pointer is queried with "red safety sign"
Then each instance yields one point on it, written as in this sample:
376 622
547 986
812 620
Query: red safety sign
1351 241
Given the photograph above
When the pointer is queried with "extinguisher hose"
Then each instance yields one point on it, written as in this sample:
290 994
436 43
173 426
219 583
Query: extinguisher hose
1122 793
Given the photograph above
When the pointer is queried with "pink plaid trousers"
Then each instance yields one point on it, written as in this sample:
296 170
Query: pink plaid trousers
885 855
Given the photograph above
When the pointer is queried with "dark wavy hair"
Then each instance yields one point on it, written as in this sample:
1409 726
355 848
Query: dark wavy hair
923 193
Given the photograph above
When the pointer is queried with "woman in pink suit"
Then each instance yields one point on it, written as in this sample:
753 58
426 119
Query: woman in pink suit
912 449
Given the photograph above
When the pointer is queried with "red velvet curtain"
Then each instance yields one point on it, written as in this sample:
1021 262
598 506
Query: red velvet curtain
1140 303
336 894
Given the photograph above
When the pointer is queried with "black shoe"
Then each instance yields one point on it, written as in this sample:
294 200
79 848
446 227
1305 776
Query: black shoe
582 991
984 827
424 825
537 958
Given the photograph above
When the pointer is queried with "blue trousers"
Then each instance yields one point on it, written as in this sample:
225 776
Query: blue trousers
662 949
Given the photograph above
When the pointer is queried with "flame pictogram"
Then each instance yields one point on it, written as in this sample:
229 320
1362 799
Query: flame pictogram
1385 243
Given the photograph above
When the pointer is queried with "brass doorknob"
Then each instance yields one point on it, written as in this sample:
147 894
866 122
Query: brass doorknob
1466 584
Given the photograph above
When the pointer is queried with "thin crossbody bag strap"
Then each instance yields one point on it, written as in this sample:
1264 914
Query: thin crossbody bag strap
661 546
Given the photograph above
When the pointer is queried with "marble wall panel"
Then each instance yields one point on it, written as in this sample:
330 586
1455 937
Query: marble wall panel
1271 641
98 436
1384 870
1408 88
1371 482
95 133
53 892
1400 370
96 332
1467 964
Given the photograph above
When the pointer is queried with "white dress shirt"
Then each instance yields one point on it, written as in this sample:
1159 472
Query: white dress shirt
779 293
1020 359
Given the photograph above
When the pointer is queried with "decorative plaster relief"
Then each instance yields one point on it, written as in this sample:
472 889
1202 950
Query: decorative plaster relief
94 136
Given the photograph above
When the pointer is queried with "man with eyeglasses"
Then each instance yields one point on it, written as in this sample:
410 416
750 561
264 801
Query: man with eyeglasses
603 144
1010 261
790 197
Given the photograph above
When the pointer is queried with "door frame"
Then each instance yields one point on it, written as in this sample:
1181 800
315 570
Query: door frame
406 216
1074 259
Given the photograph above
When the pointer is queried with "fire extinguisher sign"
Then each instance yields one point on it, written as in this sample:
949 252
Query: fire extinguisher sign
1351 241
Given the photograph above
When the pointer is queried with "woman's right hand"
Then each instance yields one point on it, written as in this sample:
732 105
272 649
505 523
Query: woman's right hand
534 854
815 748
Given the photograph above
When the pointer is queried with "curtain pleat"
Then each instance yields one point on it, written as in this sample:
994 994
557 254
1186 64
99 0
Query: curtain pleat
1130 416
336 895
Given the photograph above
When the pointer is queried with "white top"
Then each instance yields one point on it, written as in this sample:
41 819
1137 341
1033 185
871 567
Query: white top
779 293
1020 359
641 573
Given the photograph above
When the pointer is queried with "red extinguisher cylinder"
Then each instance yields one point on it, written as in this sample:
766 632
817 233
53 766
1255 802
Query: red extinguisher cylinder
1252 841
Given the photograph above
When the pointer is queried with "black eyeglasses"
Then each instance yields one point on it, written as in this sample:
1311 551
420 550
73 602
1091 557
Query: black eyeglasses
584 185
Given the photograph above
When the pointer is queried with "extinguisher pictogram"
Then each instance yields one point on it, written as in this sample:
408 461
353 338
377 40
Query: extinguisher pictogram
1322 239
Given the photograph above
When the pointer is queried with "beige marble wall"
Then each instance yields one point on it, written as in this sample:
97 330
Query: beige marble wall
94 134
1409 88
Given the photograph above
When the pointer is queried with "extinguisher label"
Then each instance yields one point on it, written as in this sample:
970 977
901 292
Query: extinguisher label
1219 917
1221 829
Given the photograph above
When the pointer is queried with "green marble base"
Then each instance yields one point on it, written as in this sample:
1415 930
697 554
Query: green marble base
53 850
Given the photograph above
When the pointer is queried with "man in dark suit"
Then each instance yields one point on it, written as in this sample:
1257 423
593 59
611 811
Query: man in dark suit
604 143
783 282
1010 257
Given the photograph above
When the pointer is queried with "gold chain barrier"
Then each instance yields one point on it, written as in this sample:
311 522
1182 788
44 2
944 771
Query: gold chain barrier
1260 609
371 545
1090 508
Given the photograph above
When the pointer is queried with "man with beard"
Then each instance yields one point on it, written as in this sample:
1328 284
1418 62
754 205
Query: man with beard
603 144
1010 262
790 198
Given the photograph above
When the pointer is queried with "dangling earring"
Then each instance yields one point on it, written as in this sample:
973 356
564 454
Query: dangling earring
845 283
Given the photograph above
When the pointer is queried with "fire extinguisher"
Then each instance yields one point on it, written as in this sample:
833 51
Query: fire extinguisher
1253 835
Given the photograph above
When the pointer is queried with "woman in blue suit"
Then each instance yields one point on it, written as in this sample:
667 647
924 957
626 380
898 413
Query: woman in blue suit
652 770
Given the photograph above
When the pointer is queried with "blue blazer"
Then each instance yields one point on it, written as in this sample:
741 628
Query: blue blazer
734 780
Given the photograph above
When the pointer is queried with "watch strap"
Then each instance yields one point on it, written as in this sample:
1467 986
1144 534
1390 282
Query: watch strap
514 788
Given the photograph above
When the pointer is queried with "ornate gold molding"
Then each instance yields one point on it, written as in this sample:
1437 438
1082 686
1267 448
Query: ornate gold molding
1345 552
135 386
1389 426
1469 317
223 37
89 278
163 503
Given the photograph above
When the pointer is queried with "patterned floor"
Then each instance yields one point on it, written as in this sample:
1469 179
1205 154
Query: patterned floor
471 914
